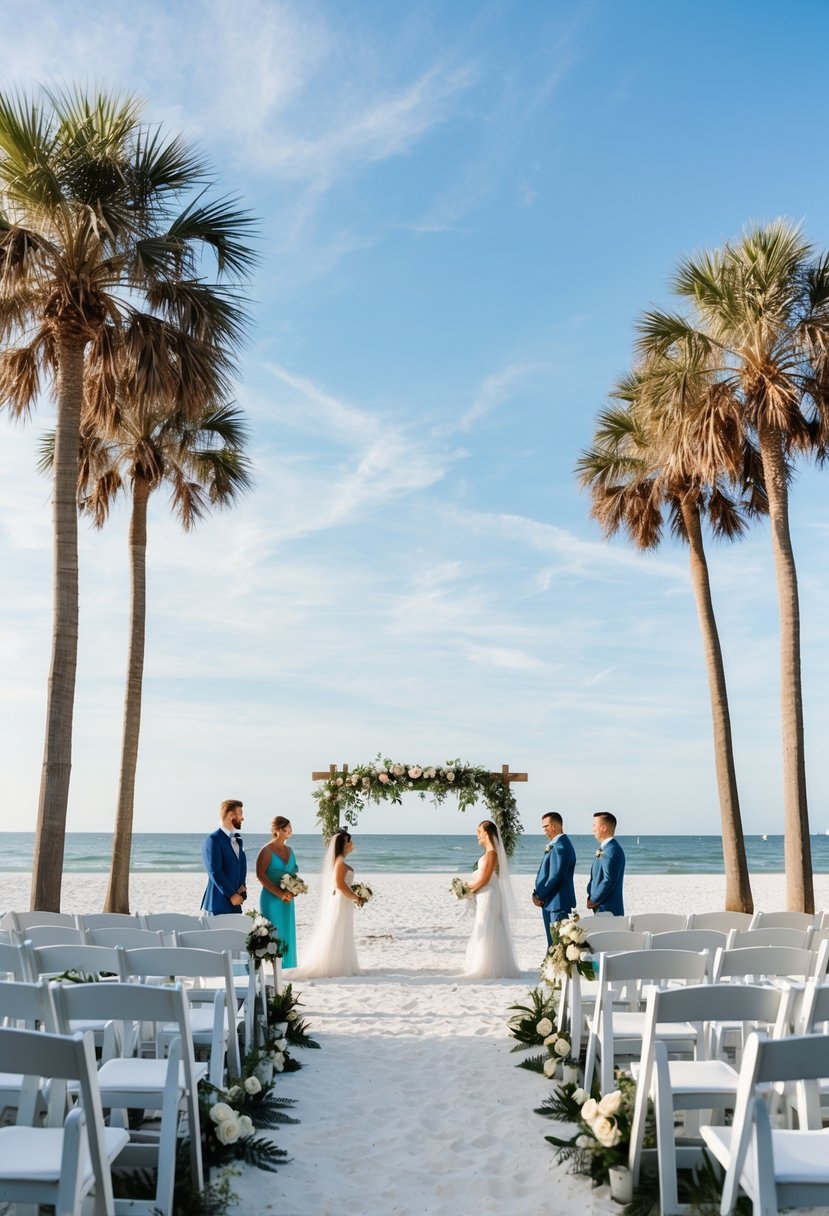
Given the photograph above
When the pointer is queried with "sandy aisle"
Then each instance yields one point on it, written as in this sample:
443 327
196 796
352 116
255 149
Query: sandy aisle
414 1106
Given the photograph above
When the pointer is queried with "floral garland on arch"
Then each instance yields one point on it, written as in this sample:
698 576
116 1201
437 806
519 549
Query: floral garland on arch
343 797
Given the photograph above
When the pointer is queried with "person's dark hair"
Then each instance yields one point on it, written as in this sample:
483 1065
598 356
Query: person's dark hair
279 823
341 839
607 817
490 829
229 804
556 818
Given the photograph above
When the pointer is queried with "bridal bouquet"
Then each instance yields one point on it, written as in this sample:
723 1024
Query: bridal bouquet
363 893
569 952
459 888
294 884
263 944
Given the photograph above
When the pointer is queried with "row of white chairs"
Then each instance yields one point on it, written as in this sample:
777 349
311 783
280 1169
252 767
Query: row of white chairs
58 1151
19 924
664 922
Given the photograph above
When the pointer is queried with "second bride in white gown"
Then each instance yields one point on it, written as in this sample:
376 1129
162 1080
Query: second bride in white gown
331 951
490 953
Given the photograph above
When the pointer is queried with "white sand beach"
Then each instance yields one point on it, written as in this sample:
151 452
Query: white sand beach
414 1106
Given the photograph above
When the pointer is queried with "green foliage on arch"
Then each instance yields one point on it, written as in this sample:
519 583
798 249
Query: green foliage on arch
342 798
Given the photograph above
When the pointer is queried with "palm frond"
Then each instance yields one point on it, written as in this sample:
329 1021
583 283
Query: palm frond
222 226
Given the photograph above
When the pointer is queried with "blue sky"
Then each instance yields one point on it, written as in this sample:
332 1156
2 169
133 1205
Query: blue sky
464 206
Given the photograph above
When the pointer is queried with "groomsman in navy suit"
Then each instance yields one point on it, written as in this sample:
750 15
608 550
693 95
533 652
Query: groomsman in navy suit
225 862
554 892
604 891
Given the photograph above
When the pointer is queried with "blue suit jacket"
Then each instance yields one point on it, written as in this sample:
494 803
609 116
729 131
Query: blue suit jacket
226 872
607 877
554 881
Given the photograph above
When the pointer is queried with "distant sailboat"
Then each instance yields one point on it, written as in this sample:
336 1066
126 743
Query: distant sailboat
764 837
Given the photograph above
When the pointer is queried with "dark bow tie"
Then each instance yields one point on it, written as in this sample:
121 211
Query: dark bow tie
238 838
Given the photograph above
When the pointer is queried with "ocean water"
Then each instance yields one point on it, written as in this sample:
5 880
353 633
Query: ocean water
181 851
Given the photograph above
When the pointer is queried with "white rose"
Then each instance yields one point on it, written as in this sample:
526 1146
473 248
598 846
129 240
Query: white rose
577 934
366 782
220 1111
580 1096
234 1094
550 1066
548 971
431 773
606 1132
246 1127
253 1085
589 1110
562 1048
544 1027
339 781
550 1039
610 1104
573 954
398 770
450 776
228 1131
383 778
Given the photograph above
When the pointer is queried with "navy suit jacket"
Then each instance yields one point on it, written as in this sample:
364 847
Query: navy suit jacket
554 881
607 877
226 872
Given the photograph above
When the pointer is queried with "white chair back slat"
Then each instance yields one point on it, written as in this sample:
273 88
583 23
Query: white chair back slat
786 920
770 935
52 935
659 922
25 920
107 920
130 937
724 921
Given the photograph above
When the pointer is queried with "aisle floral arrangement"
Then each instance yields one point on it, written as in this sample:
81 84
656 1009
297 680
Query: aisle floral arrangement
263 943
568 953
346 794
601 1139
532 1023
286 1028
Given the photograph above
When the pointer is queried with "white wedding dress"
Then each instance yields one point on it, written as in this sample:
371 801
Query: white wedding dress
490 954
331 951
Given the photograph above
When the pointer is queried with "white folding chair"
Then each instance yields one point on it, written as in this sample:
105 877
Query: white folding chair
226 920
578 995
605 921
215 1028
97 962
770 935
25 920
128 1082
10 937
14 962
776 1168
659 922
52 935
702 1084
616 1032
170 923
249 982
724 921
770 962
107 920
131 937
691 939
23 1006
786 920
61 1163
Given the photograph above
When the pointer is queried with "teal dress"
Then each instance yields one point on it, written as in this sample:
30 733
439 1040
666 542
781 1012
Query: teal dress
281 914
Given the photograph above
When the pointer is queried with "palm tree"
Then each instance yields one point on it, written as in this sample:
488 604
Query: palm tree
202 460
761 316
639 468
104 226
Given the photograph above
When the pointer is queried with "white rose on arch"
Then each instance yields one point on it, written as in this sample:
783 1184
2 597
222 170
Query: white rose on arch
383 778
431 773
415 772
398 770
450 776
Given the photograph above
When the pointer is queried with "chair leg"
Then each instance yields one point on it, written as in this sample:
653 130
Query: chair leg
665 1135
590 1061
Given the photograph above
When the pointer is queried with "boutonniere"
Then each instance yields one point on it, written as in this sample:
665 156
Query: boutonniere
600 852
551 845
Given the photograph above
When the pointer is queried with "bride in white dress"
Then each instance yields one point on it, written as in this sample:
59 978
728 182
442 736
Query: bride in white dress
331 951
490 953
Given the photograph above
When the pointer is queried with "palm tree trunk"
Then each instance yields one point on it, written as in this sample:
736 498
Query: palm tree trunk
800 895
118 894
737 883
50 835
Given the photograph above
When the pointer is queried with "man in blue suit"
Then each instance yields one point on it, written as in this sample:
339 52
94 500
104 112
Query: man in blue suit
554 892
225 862
604 891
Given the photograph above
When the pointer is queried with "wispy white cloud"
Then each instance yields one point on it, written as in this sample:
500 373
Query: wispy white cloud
495 391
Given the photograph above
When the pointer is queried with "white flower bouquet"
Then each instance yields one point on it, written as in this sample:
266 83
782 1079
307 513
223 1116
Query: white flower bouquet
294 885
569 951
364 893
558 1051
603 1127
263 944
459 888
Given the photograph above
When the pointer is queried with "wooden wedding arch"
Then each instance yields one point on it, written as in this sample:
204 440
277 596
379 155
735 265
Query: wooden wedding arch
344 792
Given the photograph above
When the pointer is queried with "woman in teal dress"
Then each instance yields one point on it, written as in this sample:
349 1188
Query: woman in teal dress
274 861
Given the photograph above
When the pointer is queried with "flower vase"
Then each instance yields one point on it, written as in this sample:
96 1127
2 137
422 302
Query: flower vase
621 1183
570 1074
264 1071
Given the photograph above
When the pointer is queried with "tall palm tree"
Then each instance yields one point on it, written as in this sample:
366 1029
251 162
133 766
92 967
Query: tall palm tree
201 458
639 469
104 227
760 313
